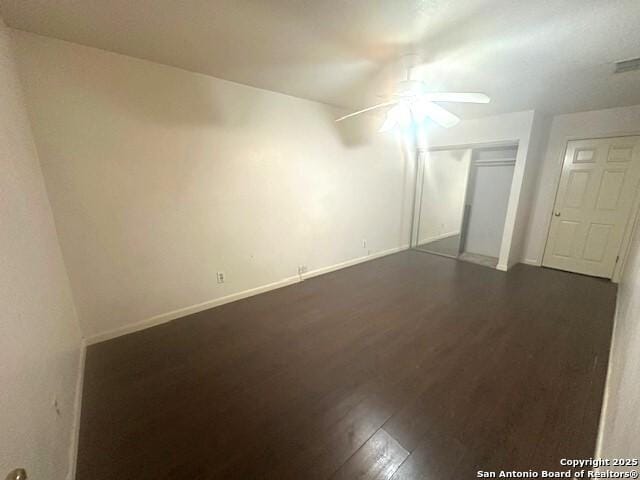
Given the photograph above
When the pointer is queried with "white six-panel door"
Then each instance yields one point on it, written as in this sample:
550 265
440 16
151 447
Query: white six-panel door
593 205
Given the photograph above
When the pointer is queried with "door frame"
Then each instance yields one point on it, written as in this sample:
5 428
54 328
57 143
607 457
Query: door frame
634 217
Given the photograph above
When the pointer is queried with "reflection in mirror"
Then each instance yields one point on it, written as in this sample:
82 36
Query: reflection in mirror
440 201
461 201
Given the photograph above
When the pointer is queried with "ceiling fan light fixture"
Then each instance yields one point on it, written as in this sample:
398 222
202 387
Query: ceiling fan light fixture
389 121
399 115
410 88
441 116
412 104
404 115
418 112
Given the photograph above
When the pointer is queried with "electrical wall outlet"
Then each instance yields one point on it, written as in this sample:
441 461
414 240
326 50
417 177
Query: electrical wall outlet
221 277
302 269
364 243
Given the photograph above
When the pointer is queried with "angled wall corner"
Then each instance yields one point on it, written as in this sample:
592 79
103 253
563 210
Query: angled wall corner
40 341
159 178
533 156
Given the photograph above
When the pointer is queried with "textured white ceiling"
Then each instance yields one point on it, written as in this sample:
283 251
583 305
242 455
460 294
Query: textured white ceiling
552 55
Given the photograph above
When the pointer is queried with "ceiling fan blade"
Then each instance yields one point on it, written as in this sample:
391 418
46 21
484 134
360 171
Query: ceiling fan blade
380 105
390 121
457 97
442 117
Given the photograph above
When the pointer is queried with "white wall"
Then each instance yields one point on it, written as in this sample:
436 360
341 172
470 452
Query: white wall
159 177
598 123
535 148
620 424
39 335
527 130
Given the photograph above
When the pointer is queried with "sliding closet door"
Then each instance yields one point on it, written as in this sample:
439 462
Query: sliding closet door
441 199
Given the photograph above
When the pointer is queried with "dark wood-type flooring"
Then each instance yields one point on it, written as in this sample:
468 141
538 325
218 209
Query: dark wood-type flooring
449 246
410 366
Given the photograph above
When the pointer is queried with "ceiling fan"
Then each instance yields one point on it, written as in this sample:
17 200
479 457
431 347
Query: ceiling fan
413 103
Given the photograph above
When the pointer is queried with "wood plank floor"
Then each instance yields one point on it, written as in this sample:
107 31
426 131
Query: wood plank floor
412 366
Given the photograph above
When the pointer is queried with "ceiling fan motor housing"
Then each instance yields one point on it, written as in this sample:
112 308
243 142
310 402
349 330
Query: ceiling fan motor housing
410 88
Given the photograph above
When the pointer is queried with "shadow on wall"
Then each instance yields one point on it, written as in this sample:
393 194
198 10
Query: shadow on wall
158 94
90 82
165 95
169 96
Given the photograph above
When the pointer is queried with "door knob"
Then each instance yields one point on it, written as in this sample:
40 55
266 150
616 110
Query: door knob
17 474
557 214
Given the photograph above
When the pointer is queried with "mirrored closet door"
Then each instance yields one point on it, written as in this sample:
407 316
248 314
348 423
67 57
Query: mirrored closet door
440 195
461 201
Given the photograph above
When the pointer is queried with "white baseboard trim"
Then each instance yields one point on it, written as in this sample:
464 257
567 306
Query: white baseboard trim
437 237
527 261
77 410
532 261
182 312
352 262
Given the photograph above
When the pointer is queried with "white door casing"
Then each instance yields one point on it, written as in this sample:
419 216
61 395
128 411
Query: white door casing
593 205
